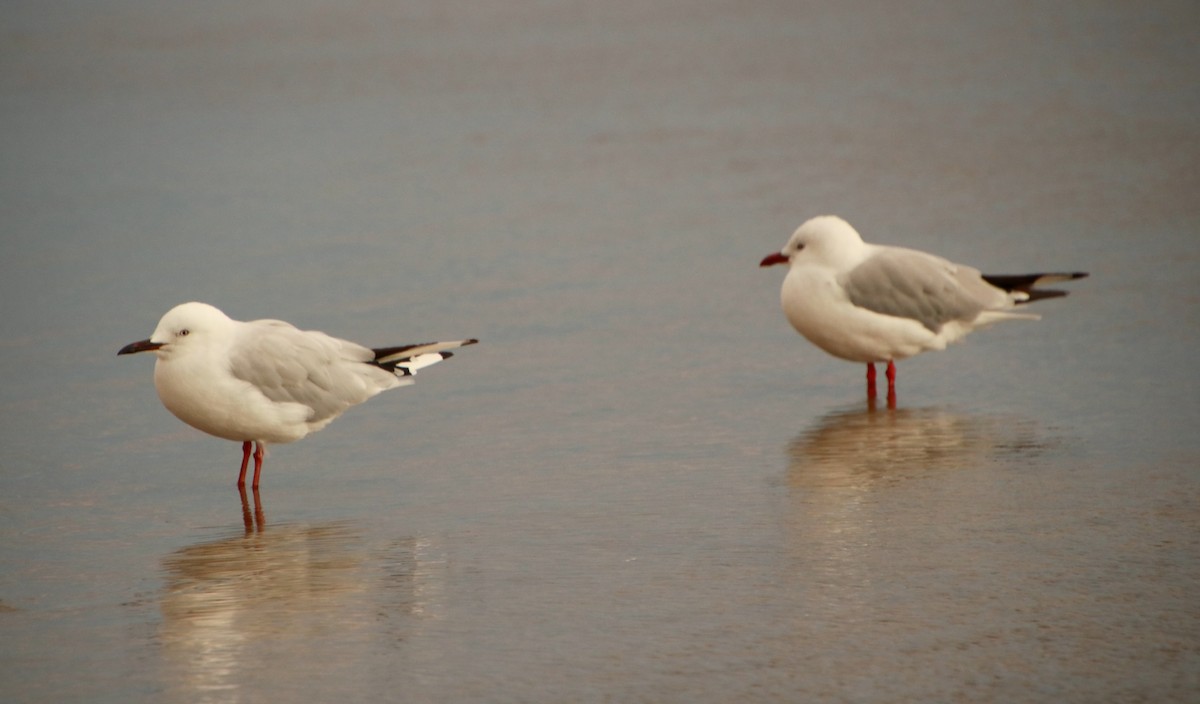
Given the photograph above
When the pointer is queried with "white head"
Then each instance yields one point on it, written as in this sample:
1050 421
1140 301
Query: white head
184 326
825 239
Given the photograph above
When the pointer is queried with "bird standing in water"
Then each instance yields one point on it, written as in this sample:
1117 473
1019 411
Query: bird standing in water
265 381
872 303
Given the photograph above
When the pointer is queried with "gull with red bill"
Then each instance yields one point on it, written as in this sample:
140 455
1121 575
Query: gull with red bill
265 380
872 303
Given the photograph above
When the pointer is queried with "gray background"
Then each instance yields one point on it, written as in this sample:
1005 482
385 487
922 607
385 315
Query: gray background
641 485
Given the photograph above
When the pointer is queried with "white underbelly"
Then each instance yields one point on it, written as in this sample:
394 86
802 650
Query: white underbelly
229 410
820 311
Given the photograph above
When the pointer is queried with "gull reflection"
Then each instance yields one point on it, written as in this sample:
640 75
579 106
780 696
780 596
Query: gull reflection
233 605
861 448
871 504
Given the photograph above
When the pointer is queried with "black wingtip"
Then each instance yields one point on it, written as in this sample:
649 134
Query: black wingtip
1027 282
382 352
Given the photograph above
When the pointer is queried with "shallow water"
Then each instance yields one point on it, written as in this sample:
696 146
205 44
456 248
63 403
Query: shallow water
641 485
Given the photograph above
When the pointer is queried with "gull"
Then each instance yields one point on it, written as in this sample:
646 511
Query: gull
265 380
872 303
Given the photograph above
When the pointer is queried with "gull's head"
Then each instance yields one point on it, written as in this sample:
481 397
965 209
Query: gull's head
185 326
826 239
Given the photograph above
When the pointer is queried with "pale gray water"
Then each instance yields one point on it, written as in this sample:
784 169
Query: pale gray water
641 485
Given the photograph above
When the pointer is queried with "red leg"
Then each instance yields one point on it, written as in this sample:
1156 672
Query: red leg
245 460
891 377
258 460
870 380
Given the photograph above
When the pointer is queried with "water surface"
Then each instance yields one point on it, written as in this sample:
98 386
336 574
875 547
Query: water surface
641 485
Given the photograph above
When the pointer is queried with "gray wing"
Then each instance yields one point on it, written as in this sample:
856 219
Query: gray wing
918 286
311 368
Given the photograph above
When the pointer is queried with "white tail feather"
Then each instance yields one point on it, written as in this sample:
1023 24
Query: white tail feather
421 361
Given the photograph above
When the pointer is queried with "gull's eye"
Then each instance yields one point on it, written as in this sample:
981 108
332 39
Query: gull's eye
184 332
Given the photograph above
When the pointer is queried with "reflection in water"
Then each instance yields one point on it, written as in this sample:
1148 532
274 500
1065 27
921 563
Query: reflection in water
859 448
871 501
234 605
255 520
